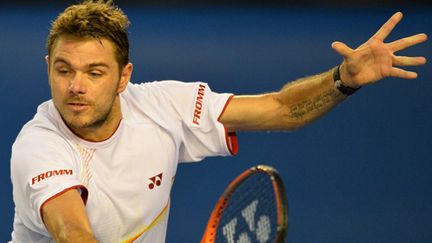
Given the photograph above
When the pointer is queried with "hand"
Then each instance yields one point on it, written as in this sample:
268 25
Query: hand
375 60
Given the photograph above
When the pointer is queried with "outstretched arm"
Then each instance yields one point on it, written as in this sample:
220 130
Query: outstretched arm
303 101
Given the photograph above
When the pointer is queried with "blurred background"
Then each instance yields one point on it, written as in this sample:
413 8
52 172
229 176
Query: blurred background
360 174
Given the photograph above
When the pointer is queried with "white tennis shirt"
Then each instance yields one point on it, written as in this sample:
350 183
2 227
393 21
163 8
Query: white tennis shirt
126 180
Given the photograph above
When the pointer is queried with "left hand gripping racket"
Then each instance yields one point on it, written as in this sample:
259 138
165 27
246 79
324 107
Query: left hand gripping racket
252 209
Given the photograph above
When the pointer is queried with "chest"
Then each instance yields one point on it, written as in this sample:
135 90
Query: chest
129 181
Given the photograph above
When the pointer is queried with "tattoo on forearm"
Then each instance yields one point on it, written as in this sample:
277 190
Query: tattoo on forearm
314 104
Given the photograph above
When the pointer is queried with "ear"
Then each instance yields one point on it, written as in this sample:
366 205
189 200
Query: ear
47 62
125 77
48 68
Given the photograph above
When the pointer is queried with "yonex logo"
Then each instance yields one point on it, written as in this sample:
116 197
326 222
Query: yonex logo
259 229
155 180
51 173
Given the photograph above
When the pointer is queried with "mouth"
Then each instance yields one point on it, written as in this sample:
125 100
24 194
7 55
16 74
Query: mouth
77 106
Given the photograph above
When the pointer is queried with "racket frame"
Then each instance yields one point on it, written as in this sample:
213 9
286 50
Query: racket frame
281 203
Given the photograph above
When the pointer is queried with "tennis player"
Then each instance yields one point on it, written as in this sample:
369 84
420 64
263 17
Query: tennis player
97 161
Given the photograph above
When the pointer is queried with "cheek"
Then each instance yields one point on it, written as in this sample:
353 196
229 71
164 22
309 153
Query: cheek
104 96
56 90
59 90
111 87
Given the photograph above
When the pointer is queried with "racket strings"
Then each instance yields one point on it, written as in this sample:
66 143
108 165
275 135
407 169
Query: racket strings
251 213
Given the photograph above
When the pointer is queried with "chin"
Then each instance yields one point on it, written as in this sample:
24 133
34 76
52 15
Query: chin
77 122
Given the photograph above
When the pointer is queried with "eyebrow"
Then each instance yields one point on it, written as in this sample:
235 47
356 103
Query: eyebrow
91 65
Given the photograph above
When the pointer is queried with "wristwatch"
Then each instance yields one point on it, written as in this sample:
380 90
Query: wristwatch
346 90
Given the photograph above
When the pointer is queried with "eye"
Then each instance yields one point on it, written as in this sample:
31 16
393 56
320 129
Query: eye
63 71
95 74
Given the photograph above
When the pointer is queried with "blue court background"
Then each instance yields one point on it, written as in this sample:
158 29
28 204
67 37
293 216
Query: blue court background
360 174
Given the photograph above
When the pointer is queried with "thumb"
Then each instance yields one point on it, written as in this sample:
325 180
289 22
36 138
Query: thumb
341 48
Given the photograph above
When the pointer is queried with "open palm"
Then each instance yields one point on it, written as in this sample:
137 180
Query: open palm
375 60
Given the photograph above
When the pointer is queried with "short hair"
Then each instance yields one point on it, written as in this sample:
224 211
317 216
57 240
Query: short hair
93 19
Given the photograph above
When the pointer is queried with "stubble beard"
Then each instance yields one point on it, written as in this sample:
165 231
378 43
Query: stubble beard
98 118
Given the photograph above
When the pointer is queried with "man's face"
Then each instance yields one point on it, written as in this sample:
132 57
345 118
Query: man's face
85 81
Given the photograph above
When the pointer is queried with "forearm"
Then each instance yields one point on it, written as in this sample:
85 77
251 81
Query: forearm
307 99
75 236
66 219
295 105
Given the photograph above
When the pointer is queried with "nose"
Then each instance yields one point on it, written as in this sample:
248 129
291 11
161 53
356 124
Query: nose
77 84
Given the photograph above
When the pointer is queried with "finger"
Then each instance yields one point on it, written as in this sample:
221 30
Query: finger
385 30
407 42
408 61
341 48
400 73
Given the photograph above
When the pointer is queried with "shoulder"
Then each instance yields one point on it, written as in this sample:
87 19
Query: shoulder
163 102
46 120
164 95
43 132
156 88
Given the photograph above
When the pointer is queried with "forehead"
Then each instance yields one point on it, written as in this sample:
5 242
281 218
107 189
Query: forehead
78 50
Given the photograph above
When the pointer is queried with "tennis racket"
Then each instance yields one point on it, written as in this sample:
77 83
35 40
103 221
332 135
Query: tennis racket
252 209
